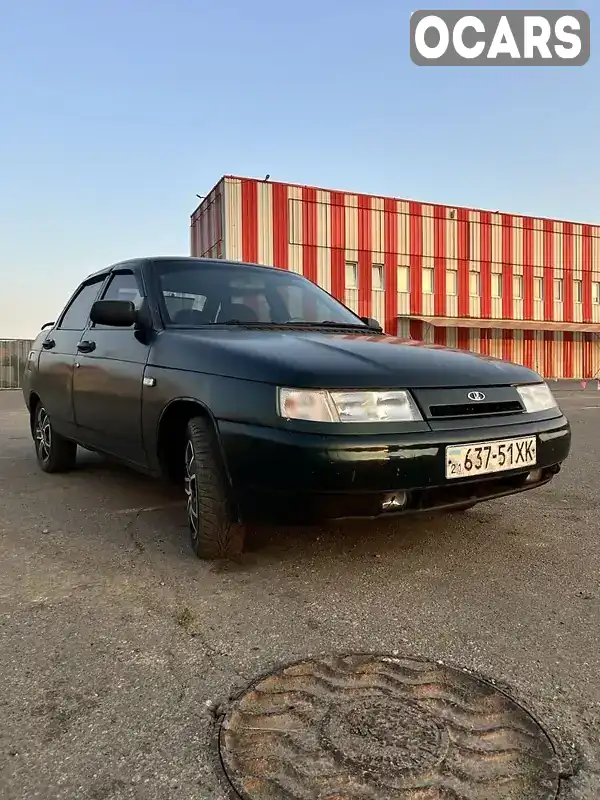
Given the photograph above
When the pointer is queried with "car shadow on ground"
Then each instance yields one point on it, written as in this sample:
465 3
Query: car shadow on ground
123 511
269 536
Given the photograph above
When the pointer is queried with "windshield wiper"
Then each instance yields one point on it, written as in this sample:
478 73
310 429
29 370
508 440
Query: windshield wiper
249 323
327 323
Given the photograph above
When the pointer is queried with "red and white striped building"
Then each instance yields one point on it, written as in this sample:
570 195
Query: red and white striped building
521 288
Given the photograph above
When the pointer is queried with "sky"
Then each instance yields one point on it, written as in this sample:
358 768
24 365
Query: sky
115 114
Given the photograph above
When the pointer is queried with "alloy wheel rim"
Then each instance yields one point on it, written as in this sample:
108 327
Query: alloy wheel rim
191 489
43 435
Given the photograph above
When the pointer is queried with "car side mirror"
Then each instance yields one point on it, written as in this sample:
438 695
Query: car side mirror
372 323
115 313
46 325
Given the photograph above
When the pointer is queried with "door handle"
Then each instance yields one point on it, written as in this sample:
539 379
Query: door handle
86 346
48 344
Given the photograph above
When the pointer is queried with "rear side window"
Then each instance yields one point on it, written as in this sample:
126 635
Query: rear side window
76 316
122 286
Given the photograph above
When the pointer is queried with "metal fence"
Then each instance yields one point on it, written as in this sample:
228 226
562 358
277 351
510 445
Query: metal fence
13 357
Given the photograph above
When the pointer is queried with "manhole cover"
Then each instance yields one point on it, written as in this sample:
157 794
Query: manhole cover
383 728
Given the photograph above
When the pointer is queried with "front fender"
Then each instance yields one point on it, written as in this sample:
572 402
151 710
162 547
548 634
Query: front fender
221 398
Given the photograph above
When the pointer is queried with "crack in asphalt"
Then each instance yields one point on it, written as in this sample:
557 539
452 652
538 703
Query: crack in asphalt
130 531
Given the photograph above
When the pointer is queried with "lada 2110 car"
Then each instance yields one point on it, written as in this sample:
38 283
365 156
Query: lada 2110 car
268 399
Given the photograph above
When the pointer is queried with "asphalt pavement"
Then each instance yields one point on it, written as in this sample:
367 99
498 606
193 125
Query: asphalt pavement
118 646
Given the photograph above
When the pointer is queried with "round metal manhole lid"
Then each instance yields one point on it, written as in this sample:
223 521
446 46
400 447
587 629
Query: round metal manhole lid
383 728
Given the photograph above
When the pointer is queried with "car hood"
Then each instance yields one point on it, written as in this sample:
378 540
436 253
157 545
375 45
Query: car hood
319 359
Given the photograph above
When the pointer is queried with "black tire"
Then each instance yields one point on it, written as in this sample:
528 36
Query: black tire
214 528
54 453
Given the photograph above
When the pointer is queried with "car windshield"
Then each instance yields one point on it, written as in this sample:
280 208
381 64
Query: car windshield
195 293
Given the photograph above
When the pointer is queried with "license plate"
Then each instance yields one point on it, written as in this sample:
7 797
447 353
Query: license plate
482 458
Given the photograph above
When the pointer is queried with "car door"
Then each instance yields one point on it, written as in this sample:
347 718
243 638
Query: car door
108 376
54 378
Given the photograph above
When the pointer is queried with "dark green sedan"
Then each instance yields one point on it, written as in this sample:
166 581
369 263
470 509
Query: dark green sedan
266 398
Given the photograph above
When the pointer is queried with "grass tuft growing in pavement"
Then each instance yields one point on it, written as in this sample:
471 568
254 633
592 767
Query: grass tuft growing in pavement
185 618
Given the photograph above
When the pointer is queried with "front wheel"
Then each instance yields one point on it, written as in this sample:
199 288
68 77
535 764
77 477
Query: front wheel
54 453
214 529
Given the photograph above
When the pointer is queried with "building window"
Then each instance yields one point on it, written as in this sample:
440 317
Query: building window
377 279
451 281
428 281
558 290
496 284
578 292
596 292
518 286
474 284
403 280
538 288
351 275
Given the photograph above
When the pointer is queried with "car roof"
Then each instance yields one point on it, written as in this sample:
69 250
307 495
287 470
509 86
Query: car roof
211 261
140 262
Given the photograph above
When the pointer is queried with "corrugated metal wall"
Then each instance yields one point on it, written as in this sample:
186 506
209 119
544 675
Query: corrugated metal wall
13 357
206 229
554 354
388 258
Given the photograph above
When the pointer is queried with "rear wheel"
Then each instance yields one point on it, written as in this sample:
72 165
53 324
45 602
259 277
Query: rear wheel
214 529
54 452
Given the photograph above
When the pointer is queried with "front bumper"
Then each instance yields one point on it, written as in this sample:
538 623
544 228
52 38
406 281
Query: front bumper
301 476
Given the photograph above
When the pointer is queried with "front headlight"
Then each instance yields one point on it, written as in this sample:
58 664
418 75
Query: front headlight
320 405
537 397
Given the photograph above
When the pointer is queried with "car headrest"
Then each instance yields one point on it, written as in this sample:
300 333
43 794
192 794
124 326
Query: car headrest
239 311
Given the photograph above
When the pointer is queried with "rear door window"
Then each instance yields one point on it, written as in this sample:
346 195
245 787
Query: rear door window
76 315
